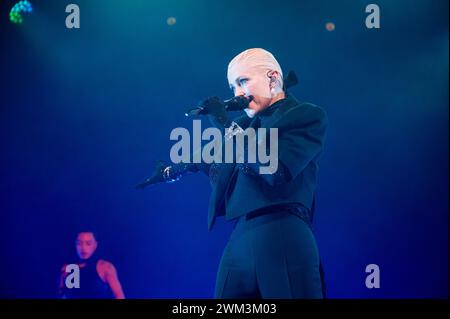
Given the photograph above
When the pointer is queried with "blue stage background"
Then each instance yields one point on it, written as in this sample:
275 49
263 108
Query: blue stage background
86 113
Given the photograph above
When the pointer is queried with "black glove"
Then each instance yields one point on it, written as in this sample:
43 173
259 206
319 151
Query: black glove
215 108
164 173
156 177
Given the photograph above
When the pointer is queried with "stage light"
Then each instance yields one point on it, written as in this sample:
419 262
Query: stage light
171 21
330 26
15 15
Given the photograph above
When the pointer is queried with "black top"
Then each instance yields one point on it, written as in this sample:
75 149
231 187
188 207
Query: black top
91 285
301 136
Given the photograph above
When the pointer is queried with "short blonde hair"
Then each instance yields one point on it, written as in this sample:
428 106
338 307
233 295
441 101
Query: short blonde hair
256 58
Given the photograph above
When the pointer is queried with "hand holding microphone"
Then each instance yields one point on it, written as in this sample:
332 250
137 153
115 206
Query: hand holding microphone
217 109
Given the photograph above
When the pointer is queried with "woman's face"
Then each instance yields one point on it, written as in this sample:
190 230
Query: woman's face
245 81
86 245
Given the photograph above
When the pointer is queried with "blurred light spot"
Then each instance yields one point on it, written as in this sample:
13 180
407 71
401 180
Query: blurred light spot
20 7
171 20
330 26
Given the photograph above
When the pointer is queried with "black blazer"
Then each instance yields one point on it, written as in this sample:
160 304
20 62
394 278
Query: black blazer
301 135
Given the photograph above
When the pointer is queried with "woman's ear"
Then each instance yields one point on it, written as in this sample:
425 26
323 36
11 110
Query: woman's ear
273 82
273 76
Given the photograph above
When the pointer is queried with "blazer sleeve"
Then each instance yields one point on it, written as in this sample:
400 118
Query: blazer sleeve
209 169
302 133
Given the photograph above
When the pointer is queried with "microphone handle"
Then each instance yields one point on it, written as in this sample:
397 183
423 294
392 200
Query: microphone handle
230 105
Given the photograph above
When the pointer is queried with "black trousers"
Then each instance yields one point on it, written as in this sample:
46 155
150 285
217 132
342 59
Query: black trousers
270 256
